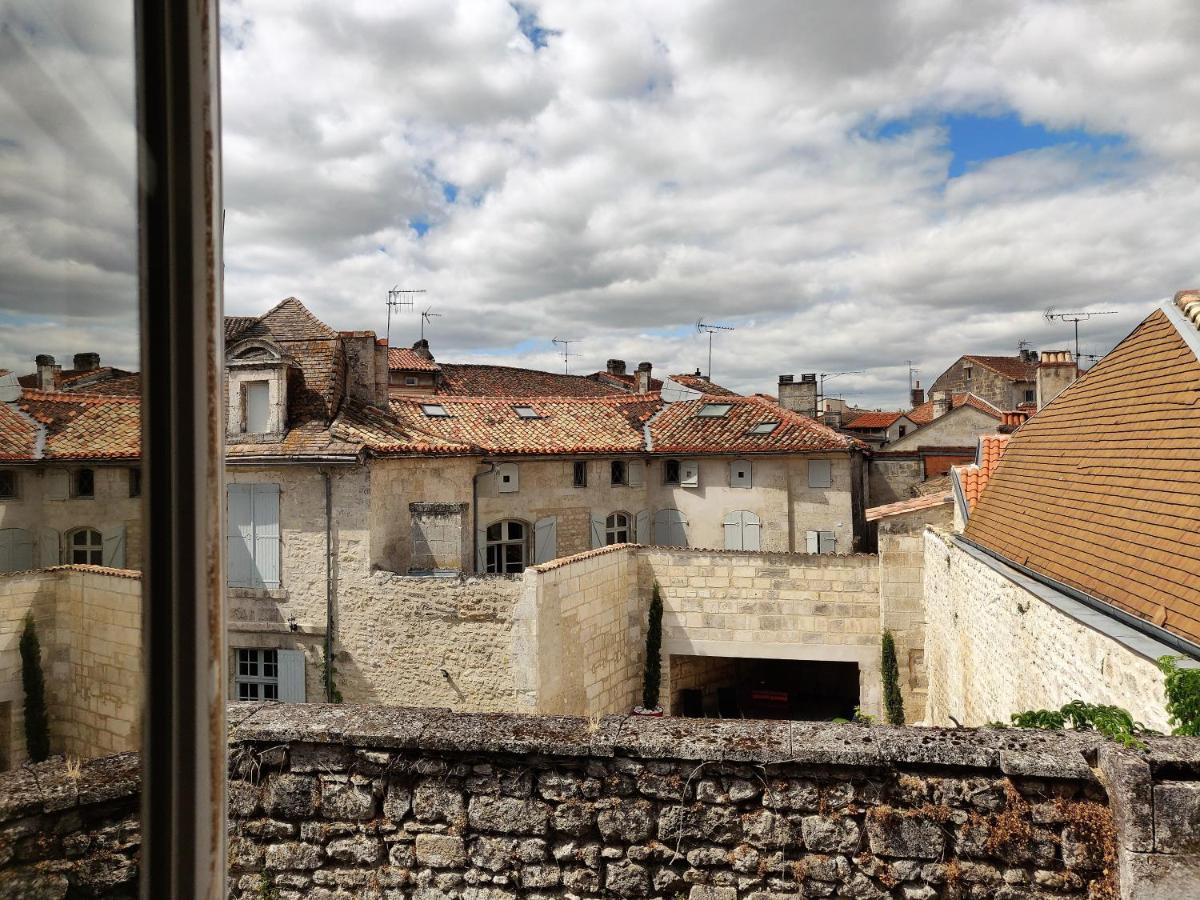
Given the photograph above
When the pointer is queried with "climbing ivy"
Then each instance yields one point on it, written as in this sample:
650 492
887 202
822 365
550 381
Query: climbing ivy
37 726
893 702
1183 696
653 675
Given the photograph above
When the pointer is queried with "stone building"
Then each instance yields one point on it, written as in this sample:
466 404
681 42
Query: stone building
1006 382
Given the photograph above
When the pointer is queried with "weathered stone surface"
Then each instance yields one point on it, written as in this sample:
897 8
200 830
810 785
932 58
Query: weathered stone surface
906 836
626 879
359 850
291 796
343 798
574 817
1177 817
434 801
832 834
440 851
397 800
509 815
294 855
629 821
701 892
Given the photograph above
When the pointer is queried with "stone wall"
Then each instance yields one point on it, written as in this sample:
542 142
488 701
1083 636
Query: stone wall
768 605
993 646
893 478
961 427
89 626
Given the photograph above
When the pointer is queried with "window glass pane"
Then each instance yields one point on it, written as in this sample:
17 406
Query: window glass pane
270 691
80 539
516 531
493 532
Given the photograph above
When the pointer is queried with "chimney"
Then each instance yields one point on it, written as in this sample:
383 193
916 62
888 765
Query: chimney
941 403
918 395
381 373
615 366
1028 356
421 348
799 396
643 377
1055 373
1012 421
87 362
700 375
47 372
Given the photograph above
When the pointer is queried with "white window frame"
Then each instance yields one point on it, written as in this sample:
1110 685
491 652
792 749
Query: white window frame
496 557
714 410
435 410
614 528
262 385
689 474
90 548
524 411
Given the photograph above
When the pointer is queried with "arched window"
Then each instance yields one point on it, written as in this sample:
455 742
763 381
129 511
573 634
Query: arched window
85 547
507 546
616 529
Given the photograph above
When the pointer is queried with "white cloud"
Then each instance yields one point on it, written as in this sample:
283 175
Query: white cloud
654 163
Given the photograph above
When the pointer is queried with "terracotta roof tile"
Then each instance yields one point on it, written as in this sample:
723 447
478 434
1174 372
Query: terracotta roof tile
1099 490
678 429
703 385
58 425
923 414
872 420
407 360
507 381
899 508
974 478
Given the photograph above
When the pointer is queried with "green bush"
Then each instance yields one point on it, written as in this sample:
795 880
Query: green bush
1110 721
37 726
1183 696
653 677
893 702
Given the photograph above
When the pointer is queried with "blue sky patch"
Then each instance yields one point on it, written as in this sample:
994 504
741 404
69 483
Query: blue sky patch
531 27
974 139
449 191
419 224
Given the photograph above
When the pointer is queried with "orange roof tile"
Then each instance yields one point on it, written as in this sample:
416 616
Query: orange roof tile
872 420
703 385
923 414
972 479
508 381
899 508
407 360
1099 490
60 425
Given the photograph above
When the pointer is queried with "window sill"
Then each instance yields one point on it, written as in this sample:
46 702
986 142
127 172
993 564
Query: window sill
244 593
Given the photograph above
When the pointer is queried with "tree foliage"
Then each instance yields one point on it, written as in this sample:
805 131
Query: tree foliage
37 726
653 676
1183 696
1111 721
893 702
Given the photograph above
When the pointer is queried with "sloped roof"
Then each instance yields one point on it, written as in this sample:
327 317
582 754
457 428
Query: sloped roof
872 420
55 425
1014 368
900 507
973 479
626 382
703 385
463 379
678 429
923 414
1099 491
409 360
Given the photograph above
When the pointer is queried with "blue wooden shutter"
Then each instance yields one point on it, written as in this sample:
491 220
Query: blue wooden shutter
266 534
239 529
291 675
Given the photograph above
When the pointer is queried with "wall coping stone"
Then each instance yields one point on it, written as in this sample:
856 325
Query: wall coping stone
46 787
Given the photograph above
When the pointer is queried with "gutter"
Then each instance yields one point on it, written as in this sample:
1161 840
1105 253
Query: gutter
291 461
330 591
475 512
1148 629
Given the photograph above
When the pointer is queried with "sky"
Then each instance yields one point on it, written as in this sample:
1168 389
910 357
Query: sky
849 186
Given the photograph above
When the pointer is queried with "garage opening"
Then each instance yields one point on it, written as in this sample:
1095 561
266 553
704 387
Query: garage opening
740 688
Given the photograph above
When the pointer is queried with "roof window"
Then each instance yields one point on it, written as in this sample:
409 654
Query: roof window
435 410
526 412
764 427
714 410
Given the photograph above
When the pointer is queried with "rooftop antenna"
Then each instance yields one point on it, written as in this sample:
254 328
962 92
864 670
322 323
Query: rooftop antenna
827 376
1076 317
426 316
710 328
912 373
566 348
398 299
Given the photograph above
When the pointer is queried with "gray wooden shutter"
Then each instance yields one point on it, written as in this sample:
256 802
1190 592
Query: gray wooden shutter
114 546
481 551
641 527
58 484
545 540
751 531
814 542
16 550
689 474
239 528
740 473
597 531
49 551
733 530
291 675
827 541
508 480
266 534
820 473
636 473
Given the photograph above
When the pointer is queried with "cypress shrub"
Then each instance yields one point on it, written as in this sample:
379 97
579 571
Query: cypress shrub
37 727
653 678
893 702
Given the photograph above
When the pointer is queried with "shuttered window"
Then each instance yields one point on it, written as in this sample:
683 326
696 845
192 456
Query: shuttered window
739 474
16 550
269 675
670 528
85 547
256 400
822 542
820 473
507 479
742 530
253 535
545 540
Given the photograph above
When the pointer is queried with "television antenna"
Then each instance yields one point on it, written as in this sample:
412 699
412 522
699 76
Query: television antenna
710 328
428 316
1076 318
829 376
912 373
566 350
398 298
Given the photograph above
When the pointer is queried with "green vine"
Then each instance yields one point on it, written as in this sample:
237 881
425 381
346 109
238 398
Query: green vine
653 674
893 701
37 724
1111 721
1183 696
329 676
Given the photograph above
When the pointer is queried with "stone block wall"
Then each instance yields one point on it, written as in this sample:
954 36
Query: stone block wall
994 647
893 478
89 627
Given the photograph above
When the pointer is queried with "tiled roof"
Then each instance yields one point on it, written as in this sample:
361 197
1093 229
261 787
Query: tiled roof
677 429
1099 490
507 381
304 439
70 426
106 380
704 386
916 504
409 360
1015 368
973 479
871 421
626 382
923 414
290 320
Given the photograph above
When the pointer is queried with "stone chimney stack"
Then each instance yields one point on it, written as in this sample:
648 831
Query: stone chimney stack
918 396
643 377
941 403
799 396
1056 371
87 362
47 372
616 367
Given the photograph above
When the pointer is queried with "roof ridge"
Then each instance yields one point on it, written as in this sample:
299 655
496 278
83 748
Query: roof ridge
85 397
525 398
304 309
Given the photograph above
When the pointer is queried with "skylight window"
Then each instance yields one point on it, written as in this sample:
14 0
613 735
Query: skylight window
764 427
714 410
435 410
526 412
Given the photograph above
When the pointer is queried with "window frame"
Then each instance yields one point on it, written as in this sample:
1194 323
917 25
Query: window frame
714 410
78 477
764 428
71 546
263 384
828 463
612 529
15 477
440 411
613 478
410 380
579 467
501 564
520 410
135 481
667 463
261 681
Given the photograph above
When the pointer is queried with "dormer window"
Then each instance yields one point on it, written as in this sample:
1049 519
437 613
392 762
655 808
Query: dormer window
256 372
526 412
435 410
714 410
256 407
